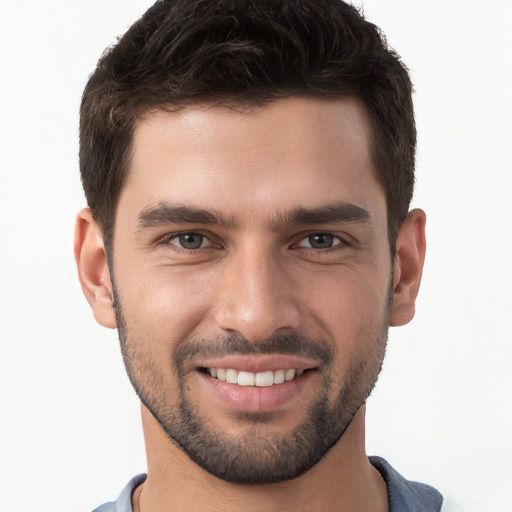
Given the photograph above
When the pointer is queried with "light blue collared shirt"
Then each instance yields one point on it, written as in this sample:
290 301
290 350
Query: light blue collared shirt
404 495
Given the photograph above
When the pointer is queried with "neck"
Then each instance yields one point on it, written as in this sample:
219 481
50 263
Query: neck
342 481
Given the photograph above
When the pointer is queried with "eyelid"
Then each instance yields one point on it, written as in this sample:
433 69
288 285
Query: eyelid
174 237
167 239
341 240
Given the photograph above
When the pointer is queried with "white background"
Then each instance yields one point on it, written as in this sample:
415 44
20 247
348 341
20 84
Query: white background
442 412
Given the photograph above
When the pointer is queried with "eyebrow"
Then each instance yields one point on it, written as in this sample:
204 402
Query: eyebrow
163 214
334 213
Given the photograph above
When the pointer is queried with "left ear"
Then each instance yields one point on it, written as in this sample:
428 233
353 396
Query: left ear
408 267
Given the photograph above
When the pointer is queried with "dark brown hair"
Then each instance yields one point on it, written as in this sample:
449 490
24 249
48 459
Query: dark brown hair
244 53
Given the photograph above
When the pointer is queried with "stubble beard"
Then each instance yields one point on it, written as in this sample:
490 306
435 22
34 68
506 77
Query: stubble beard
254 458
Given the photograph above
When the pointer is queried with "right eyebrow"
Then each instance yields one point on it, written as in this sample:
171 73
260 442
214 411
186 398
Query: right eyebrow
163 214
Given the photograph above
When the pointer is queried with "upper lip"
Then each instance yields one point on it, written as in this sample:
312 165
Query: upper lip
260 363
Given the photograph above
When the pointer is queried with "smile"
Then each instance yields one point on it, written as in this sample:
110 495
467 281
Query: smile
257 384
258 379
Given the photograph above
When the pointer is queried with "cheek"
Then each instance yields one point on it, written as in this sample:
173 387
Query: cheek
165 307
349 307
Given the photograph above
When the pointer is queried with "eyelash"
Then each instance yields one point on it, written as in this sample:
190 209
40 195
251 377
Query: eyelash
339 242
167 241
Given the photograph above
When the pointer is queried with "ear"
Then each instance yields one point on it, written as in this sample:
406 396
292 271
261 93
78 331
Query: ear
93 272
408 267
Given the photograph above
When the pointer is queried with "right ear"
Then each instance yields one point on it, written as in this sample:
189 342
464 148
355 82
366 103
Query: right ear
93 272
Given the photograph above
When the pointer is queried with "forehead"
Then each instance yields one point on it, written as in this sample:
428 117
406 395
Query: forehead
293 152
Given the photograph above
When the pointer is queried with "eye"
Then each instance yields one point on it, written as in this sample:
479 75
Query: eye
320 241
189 241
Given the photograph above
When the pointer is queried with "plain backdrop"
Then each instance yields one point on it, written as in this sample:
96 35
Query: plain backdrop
70 435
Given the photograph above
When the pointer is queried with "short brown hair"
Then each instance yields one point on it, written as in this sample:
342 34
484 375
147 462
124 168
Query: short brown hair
245 53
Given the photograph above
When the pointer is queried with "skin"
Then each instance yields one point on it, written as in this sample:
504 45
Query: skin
256 276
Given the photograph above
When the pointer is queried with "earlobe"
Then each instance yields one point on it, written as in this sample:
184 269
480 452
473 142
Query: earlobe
93 272
408 267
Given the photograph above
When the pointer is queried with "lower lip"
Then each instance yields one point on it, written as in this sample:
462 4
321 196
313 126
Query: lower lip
255 399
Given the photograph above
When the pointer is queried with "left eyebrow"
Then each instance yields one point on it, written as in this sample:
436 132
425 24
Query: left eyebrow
333 213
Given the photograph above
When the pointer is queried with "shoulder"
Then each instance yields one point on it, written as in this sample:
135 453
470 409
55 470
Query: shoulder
106 507
405 495
124 501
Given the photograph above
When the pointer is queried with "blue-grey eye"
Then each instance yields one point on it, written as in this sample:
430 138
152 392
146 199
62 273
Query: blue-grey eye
189 241
320 241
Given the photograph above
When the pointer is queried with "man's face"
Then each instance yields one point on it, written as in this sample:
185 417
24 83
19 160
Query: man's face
253 246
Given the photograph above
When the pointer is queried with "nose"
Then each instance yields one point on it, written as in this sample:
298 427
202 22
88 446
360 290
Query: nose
256 297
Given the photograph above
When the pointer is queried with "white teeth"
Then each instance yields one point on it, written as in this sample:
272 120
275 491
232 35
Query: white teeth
289 375
279 377
260 379
245 379
231 376
264 379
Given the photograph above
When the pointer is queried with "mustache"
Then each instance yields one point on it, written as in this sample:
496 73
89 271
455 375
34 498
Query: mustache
236 344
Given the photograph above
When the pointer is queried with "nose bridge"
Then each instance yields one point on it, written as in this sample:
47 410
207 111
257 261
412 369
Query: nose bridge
256 296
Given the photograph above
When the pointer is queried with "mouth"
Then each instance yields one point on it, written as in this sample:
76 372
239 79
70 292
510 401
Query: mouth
263 379
260 383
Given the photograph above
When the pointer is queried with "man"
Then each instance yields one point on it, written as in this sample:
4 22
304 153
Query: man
248 167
